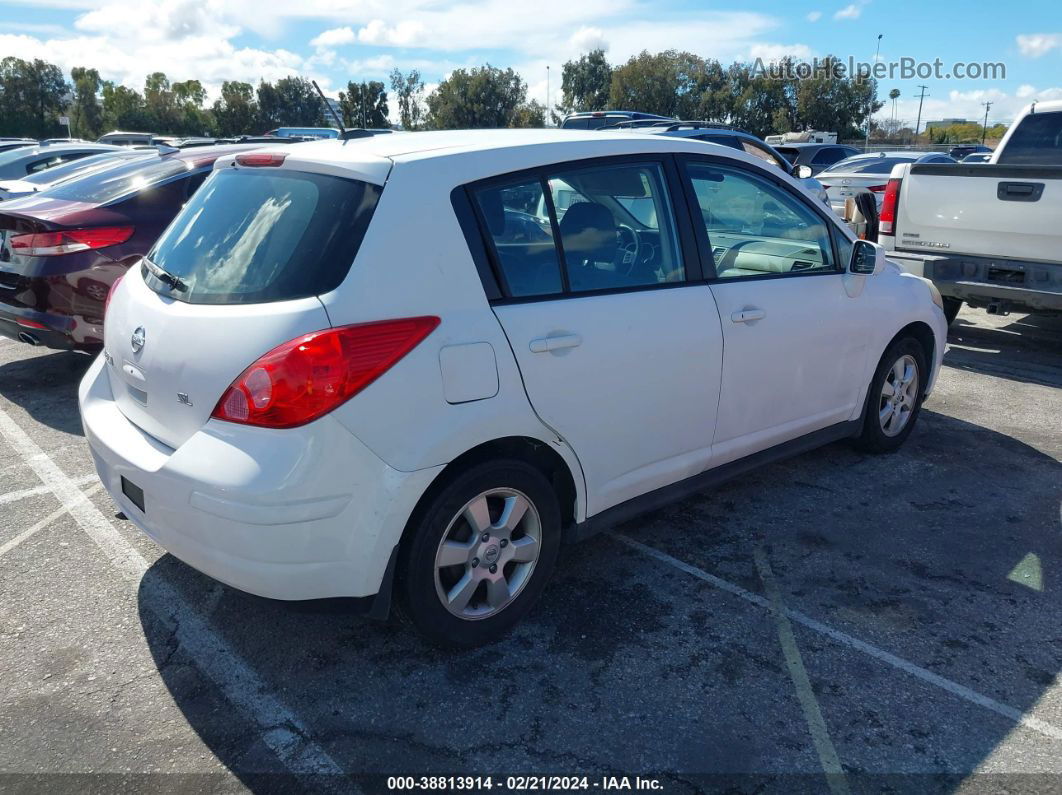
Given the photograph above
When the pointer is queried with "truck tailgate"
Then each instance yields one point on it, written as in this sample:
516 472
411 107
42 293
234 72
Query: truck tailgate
984 210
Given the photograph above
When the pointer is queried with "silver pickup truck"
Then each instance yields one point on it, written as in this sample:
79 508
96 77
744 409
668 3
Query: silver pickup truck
989 234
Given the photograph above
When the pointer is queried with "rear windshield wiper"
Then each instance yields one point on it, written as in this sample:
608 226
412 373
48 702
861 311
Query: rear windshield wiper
165 276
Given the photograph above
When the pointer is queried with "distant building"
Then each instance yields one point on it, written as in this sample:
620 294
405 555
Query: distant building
933 125
333 103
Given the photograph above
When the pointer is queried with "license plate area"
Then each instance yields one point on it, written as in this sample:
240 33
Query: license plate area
134 493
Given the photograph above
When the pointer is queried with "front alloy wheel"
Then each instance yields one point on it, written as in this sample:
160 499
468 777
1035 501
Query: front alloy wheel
899 395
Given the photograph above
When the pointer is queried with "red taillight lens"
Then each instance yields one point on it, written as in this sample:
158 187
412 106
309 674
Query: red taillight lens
876 188
67 241
301 380
261 159
887 216
110 293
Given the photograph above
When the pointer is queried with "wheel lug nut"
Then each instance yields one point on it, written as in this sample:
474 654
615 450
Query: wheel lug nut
503 543
493 568
475 562
485 537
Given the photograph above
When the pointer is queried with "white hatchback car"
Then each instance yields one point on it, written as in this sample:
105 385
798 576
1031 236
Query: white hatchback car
415 364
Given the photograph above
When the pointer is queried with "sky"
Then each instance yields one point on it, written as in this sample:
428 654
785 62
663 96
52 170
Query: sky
335 41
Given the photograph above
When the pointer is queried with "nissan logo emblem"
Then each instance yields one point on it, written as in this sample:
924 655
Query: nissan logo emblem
138 339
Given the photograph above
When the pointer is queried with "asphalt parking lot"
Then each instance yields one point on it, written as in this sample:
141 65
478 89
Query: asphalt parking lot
837 623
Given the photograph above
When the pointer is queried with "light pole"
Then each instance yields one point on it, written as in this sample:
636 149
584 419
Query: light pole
870 99
547 95
984 128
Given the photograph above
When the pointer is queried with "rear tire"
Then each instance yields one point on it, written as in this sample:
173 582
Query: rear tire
481 553
894 399
951 308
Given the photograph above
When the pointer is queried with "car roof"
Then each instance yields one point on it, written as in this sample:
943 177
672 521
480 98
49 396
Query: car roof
69 147
809 146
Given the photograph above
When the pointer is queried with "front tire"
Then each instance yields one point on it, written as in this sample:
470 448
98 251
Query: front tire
481 553
894 399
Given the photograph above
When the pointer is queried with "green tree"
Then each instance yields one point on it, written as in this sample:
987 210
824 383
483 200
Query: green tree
364 105
31 97
192 117
529 114
86 115
479 97
236 112
123 108
408 91
585 83
291 102
668 83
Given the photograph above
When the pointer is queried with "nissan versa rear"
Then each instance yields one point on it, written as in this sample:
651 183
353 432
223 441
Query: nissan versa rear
413 365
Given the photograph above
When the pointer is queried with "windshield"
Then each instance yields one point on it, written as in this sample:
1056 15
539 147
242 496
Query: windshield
102 187
867 165
83 165
254 235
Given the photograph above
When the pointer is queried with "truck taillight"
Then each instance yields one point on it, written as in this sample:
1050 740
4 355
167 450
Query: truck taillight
887 216
68 241
309 376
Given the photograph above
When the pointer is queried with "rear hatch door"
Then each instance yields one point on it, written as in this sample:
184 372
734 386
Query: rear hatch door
234 276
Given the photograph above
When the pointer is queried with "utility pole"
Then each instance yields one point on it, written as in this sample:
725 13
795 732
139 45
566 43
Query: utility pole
547 95
870 99
984 129
921 97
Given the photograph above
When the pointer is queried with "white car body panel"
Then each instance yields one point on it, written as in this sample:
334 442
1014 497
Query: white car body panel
662 386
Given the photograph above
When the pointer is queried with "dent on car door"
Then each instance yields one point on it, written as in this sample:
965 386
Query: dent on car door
619 351
794 349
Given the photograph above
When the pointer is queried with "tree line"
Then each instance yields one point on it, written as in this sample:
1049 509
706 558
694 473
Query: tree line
33 94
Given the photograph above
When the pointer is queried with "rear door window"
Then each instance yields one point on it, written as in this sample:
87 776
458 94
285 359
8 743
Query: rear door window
1037 141
259 235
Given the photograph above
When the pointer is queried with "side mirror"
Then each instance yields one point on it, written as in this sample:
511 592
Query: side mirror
867 258
801 172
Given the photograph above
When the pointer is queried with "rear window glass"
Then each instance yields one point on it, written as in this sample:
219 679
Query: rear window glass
77 168
1037 141
114 183
867 165
255 235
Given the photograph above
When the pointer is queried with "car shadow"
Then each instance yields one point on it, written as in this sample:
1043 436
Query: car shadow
45 385
945 554
1027 348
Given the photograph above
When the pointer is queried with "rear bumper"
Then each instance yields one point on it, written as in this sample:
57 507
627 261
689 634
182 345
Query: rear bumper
305 513
71 321
984 281
49 337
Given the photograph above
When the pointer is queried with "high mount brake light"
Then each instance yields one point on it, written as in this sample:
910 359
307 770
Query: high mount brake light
261 159
68 241
309 376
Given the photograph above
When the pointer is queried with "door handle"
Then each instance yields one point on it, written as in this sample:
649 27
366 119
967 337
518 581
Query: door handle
748 315
561 341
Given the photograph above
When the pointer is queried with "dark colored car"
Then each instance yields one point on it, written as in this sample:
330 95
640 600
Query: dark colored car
6 144
63 248
592 120
816 156
960 151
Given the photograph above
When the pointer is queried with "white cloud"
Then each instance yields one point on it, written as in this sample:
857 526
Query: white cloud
405 33
776 52
587 39
814 16
850 11
335 37
968 104
1034 45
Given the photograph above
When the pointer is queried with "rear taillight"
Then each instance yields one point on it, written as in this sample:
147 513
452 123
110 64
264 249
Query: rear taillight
877 188
110 294
67 241
301 380
887 216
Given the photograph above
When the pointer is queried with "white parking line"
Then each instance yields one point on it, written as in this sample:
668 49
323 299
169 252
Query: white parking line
280 729
15 496
963 692
7 546
820 735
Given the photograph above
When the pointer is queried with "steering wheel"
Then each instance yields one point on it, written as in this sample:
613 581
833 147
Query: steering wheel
627 250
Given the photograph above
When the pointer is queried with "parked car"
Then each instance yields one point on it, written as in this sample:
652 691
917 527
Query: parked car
987 234
120 138
962 150
26 160
7 144
318 386
43 180
743 141
592 120
977 157
61 249
815 156
305 133
869 173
